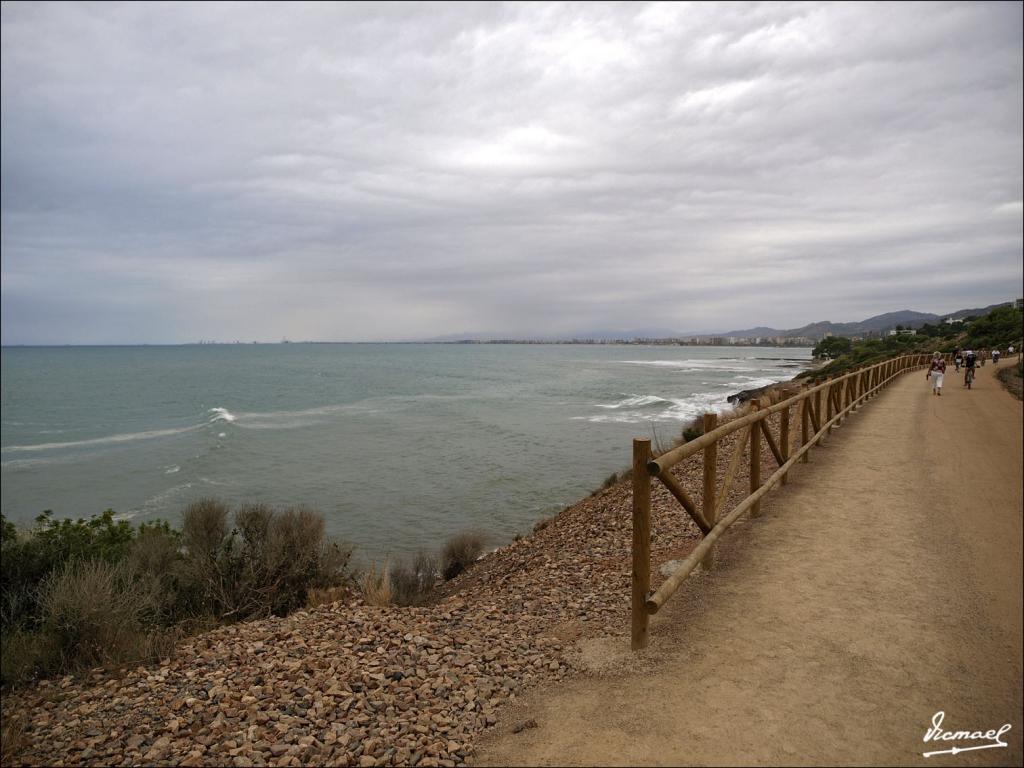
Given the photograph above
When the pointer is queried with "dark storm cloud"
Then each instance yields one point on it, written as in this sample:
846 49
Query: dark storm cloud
367 171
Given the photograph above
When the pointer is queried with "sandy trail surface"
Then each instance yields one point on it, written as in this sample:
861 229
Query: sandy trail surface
881 586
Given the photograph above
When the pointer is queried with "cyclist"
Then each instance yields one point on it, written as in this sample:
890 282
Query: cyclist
958 358
970 361
995 357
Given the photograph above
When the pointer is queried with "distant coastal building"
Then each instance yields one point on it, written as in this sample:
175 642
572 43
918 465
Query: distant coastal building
950 320
903 332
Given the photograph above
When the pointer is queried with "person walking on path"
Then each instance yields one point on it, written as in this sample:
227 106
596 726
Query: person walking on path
936 373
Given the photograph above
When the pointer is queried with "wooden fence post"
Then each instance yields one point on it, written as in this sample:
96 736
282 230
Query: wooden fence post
755 459
829 402
817 408
805 419
641 541
784 440
710 486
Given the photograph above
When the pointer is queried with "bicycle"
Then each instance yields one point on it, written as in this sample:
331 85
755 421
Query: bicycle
968 377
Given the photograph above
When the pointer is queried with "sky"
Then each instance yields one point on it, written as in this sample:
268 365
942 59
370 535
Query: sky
362 172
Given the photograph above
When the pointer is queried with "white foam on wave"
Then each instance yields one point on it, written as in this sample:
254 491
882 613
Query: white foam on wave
172 470
753 382
634 401
690 366
302 418
14 465
158 500
673 410
221 414
111 439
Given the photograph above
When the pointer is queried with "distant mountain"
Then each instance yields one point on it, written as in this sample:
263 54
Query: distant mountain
879 323
907 318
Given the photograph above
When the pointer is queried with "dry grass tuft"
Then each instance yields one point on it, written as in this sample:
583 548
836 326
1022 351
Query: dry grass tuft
376 586
411 584
97 612
460 552
12 736
326 596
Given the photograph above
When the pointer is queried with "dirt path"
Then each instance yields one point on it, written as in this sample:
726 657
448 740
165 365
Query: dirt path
881 586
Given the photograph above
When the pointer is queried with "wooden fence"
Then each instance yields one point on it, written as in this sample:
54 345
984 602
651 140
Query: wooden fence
821 406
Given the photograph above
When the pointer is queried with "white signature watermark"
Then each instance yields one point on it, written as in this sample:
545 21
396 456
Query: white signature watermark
936 733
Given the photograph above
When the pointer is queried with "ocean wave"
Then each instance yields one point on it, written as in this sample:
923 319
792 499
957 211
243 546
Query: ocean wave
172 470
668 409
158 500
754 382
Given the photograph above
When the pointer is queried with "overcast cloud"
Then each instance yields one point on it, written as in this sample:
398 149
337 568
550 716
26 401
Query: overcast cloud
361 172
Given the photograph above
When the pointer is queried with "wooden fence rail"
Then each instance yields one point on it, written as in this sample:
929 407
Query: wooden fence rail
842 395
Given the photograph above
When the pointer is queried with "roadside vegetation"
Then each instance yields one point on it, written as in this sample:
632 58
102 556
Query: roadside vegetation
1012 377
78 594
998 329
84 593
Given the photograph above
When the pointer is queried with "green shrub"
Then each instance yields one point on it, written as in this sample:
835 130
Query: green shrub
29 557
156 555
694 429
81 592
832 347
999 328
8 531
459 553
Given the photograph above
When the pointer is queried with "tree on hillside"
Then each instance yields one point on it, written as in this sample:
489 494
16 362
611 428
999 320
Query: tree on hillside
832 347
1000 327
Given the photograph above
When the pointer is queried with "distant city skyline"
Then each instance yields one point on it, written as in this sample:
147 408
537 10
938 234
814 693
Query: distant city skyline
379 172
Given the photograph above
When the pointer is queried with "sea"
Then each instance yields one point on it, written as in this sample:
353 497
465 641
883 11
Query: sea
398 445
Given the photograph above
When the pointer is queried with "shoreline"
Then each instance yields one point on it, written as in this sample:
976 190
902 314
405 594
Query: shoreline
350 683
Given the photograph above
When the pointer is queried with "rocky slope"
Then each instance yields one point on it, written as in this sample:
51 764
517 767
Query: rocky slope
350 684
